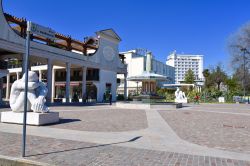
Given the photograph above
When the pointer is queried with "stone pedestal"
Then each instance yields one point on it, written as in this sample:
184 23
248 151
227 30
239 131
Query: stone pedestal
180 100
36 119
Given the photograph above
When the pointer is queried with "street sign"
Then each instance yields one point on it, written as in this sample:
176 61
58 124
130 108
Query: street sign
41 30
48 33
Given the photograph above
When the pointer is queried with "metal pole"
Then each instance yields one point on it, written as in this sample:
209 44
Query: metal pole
244 66
137 87
26 87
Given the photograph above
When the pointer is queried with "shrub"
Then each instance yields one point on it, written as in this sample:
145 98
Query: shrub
120 97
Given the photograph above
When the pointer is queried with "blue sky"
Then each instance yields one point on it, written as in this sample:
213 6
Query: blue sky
188 26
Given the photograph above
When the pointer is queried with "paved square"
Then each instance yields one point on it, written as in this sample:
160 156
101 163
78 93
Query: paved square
227 129
106 119
106 135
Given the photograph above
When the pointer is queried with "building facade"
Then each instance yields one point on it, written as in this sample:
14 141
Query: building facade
69 67
136 65
183 62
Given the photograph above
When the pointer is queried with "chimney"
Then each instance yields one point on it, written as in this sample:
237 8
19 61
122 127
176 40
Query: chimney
148 61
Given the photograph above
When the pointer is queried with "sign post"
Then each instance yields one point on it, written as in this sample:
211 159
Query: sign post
41 31
26 72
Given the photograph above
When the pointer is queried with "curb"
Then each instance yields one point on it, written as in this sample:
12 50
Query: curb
12 161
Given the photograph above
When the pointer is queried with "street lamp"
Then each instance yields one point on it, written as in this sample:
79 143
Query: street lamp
244 50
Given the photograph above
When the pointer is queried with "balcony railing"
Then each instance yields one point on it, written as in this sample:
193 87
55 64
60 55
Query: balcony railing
61 41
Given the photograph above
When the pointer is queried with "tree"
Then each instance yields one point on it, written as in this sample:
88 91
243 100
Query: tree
239 77
218 76
206 73
239 49
239 44
232 84
189 77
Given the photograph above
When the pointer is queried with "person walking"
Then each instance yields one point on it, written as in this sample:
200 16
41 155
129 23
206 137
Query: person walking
110 98
196 99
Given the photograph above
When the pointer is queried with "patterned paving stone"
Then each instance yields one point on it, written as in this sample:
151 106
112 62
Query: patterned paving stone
105 120
229 108
222 130
63 152
99 118
218 130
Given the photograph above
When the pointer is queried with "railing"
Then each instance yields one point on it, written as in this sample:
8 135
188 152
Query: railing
61 41
12 66
88 78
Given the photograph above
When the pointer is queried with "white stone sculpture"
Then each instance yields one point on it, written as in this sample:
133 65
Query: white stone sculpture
183 95
37 92
180 96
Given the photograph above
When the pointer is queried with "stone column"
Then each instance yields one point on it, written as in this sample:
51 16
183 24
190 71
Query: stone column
49 80
143 86
17 75
151 87
67 81
154 87
125 86
84 71
148 87
40 75
53 85
8 87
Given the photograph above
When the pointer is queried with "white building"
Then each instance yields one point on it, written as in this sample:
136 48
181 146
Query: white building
136 65
68 66
183 62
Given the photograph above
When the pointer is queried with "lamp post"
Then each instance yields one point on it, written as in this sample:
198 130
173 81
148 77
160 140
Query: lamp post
244 50
137 87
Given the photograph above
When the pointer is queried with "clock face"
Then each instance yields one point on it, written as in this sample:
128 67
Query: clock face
108 53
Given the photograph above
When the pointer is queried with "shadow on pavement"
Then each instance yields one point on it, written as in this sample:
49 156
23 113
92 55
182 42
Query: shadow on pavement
61 121
87 147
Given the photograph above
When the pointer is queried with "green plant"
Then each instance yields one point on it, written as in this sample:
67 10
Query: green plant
120 97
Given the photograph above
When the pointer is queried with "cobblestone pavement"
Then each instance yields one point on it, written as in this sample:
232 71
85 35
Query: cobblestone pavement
225 131
99 118
64 152
158 144
225 108
105 120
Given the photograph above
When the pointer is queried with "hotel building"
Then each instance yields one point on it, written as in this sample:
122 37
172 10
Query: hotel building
183 62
